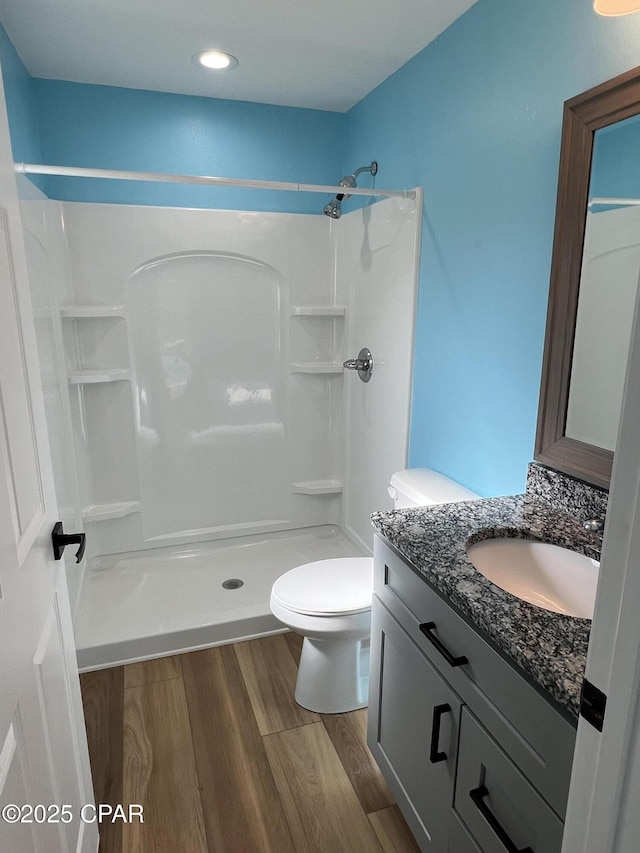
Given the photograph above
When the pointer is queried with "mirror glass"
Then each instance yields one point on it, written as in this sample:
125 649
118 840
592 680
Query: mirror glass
608 285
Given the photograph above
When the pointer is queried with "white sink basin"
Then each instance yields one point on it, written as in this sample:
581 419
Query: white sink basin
542 574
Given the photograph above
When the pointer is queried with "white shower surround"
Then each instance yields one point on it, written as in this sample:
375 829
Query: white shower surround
221 415
603 325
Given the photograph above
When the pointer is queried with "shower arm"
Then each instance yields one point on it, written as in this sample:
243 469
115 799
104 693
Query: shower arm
349 181
373 168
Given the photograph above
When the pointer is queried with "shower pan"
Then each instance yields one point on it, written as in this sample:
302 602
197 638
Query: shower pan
202 432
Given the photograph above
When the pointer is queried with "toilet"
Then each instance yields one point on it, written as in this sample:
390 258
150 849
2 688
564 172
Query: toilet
328 602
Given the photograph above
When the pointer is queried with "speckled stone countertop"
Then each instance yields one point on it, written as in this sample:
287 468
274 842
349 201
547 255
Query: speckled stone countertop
549 647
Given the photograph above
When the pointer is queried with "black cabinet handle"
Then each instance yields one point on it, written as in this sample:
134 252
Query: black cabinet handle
434 755
427 628
478 795
60 540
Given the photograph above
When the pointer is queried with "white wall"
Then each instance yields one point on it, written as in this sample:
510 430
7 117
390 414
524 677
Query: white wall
377 252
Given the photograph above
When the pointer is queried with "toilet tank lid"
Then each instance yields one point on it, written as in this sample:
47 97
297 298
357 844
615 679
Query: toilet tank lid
425 486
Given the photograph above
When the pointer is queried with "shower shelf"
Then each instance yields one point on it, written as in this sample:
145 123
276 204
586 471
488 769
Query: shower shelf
317 310
87 312
316 367
317 487
93 377
105 512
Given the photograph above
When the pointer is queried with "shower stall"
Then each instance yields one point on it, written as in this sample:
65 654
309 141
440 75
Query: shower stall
204 432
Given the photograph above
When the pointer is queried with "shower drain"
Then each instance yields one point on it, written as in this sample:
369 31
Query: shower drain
232 583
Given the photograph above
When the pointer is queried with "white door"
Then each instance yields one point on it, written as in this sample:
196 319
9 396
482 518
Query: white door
43 749
603 814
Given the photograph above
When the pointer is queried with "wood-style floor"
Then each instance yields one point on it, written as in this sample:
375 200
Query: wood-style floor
214 747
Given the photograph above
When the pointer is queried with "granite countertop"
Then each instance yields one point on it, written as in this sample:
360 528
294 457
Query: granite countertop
551 648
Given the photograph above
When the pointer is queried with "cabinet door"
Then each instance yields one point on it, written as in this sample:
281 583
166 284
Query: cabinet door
414 720
459 839
495 801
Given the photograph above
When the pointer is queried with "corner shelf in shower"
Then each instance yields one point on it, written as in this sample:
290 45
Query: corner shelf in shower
317 310
94 377
105 512
88 312
318 367
317 487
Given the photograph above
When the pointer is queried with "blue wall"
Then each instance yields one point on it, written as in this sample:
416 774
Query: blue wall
615 170
475 118
21 107
113 128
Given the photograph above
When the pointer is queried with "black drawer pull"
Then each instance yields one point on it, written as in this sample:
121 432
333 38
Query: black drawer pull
427 628
478 795
434 755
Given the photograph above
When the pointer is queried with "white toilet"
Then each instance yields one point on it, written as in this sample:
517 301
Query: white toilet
329 603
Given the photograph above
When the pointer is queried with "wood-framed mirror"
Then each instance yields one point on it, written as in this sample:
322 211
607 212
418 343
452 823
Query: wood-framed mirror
597 109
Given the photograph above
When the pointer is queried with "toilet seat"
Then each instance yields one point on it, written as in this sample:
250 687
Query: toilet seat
336 587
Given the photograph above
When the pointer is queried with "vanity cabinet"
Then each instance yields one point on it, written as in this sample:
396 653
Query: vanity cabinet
477 758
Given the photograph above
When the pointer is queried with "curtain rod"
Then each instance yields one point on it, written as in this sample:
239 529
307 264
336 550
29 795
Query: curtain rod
74 172
628 202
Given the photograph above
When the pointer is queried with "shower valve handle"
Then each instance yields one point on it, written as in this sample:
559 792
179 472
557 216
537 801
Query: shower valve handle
356 364
363 364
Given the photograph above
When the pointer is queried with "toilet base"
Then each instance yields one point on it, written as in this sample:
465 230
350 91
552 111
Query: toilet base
333 676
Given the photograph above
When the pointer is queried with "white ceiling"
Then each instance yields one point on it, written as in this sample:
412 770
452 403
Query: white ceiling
322 54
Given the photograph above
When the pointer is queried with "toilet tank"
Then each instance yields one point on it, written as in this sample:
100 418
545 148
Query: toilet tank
422 486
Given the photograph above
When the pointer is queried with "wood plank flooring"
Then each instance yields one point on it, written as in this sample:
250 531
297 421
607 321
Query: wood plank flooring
214 747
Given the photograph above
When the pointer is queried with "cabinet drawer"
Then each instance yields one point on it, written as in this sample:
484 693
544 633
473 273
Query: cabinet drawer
537 738
495 801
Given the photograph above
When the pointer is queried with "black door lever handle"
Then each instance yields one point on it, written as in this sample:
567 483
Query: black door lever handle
61 540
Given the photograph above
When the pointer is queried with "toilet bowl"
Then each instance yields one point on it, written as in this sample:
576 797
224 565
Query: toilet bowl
328 602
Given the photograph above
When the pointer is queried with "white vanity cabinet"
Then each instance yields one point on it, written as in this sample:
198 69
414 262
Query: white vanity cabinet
477 758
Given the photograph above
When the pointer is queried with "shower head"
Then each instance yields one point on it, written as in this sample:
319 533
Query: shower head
333 209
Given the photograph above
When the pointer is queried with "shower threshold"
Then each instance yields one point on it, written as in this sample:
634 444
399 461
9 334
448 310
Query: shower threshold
163 601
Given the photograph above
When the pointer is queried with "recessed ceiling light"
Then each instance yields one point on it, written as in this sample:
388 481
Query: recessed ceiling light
216 60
